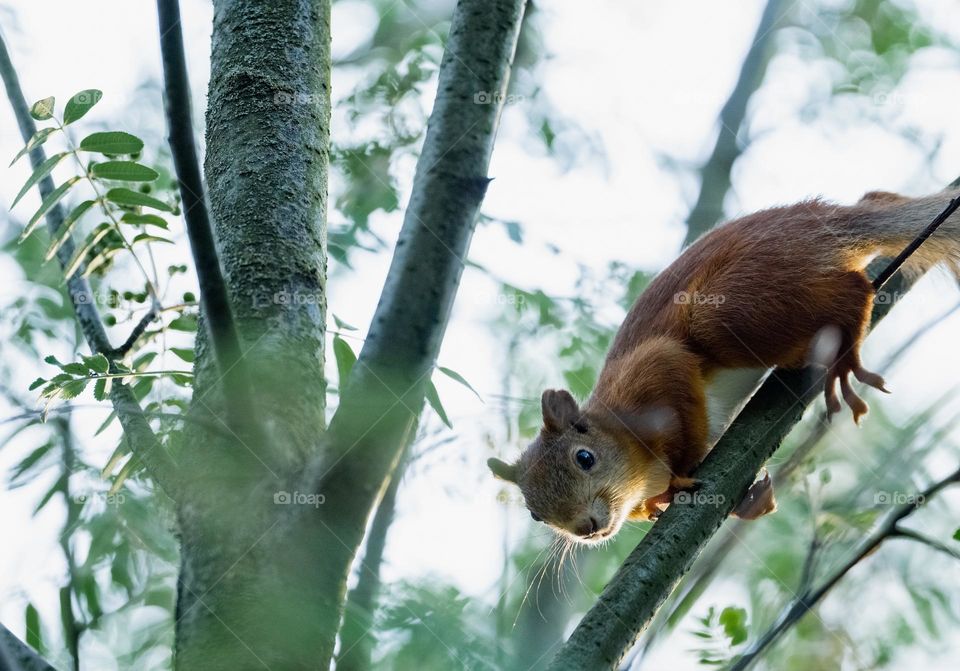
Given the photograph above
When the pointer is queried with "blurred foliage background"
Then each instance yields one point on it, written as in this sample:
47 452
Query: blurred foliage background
118 556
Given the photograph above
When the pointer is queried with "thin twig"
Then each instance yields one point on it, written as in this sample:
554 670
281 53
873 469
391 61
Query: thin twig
138 330
135 425
808 598
213 289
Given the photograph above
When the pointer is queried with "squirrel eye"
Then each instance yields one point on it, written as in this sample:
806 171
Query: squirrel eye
585 459
535 517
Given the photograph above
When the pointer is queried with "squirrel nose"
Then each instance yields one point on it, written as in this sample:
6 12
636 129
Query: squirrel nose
588 528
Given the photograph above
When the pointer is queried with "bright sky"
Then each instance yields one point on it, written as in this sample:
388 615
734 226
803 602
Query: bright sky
647 81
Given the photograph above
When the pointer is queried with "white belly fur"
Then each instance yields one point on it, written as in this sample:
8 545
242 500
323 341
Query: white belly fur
727 392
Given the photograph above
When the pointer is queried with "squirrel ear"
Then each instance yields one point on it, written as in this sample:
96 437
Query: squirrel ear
560 411
503 470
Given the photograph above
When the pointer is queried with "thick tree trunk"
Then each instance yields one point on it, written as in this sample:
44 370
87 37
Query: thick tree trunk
248 594
268 119
264 584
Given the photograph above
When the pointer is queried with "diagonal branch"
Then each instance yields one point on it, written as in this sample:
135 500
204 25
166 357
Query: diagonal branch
15 655
213 289
707 566
146 446
715 173
381 400
652 570
809 597
388 381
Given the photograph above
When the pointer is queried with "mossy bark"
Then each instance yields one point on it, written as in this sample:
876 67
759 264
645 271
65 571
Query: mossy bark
248 597
262 583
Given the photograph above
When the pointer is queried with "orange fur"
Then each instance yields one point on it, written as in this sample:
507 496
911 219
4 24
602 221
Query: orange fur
765 290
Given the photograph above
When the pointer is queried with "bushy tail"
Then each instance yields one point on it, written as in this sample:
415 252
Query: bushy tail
889 222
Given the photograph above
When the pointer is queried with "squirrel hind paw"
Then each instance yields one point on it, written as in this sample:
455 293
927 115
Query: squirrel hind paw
830 395
857 405
872 379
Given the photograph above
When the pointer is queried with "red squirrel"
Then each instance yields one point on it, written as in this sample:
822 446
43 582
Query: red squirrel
782 287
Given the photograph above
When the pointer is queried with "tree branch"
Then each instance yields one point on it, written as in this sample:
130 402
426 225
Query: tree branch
715 173
809 597
381 400
404 337
213 290
704 570
15 655
356 640
146 445
652 570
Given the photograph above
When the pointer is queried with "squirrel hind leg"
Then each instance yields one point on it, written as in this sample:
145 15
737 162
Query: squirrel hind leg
849 322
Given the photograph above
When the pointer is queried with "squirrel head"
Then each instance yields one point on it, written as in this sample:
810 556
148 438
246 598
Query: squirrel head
587 470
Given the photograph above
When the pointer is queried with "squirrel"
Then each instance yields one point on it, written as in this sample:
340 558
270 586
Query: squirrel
783 287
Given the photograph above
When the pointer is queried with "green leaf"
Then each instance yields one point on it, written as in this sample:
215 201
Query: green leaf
107 422
144 219
184 323
345 359
122 196
433 398
112 143
956 535
38 139
31 616
42 171
141 362
454 375
68 223
43 109
146 237
98 363
74 388
75 369
80 104
30 461
124 171
58 486
52 199
95 236
342 325
184 353
99 260
52 360
734 622
102 388
39 382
